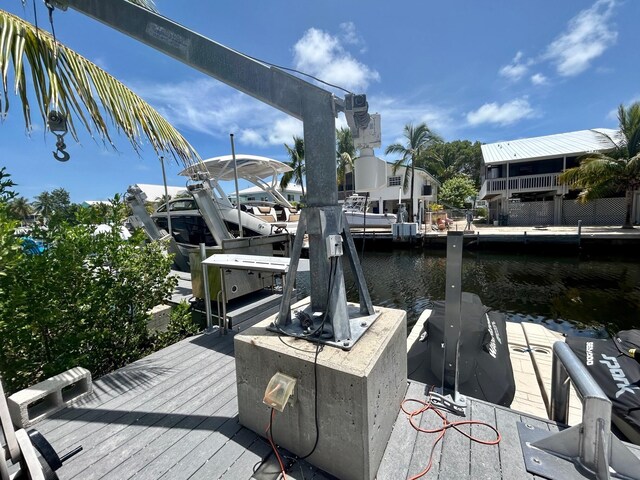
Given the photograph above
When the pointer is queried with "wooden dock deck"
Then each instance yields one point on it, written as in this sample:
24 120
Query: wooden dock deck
174 415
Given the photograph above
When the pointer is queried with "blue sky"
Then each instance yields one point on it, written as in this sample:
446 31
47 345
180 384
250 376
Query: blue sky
488 71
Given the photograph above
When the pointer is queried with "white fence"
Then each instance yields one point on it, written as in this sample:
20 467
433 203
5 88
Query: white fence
604 211
531 213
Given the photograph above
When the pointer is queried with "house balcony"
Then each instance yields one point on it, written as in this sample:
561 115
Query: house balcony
506 187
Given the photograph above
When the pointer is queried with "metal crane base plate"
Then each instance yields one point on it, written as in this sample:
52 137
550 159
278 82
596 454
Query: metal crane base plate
306 325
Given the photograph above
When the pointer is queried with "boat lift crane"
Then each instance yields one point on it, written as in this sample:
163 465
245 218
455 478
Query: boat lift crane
317 108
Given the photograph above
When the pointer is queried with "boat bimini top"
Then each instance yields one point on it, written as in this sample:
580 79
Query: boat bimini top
261 171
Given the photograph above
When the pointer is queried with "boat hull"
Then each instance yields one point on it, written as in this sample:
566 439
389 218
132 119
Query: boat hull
359 219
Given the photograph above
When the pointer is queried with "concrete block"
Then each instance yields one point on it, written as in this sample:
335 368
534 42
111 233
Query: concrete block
359 393
42 399
160 317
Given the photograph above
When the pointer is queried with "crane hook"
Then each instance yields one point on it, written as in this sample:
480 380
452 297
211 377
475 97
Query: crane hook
60 147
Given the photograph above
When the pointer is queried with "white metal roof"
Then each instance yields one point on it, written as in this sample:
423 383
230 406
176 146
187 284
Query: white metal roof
549 146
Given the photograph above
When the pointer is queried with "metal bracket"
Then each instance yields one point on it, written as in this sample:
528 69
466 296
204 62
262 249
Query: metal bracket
344 324
455 404
589 447
556 455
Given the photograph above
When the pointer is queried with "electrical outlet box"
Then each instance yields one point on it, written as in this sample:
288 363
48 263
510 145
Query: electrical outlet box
279 391
334 246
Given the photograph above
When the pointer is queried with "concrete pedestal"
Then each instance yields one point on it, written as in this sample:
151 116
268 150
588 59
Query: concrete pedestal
359 393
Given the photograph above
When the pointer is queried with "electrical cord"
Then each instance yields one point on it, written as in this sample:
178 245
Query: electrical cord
269 433
446 424
319 347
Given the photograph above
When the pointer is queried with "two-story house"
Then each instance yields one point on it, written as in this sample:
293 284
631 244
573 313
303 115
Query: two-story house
520 180
387 197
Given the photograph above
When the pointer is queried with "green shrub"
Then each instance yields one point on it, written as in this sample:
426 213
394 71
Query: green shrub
180 326
82 302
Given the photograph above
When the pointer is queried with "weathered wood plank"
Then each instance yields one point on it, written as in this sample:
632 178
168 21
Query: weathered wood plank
120 447
160 438
244 466
129 383
425 444
205 450
176 377
91 424
214 424
485 459
456 450
511 459
222 462
397 455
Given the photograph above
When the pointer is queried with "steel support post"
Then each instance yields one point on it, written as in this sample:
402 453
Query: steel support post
453 301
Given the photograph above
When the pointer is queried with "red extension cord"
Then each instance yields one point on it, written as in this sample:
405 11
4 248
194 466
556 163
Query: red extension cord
427 406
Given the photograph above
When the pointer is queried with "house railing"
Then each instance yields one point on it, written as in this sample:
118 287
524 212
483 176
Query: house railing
526 183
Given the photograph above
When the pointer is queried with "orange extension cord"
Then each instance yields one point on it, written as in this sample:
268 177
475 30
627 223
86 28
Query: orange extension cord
275 450
427 406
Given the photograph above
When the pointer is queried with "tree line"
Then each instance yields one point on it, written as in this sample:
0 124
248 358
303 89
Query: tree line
456 165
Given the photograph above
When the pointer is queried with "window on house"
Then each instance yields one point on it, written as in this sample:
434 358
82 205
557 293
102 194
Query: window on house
394 181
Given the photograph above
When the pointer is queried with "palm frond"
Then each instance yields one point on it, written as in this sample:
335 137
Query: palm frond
64 80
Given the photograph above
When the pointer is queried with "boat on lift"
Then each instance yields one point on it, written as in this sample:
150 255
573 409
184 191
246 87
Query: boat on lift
356 211
257 218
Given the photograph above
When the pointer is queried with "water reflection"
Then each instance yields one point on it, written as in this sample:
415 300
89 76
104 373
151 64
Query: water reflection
568 294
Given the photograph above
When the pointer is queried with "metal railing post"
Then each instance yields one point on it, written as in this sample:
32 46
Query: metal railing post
589 445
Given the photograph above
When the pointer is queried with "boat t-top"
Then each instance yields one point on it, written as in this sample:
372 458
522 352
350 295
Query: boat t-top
223 218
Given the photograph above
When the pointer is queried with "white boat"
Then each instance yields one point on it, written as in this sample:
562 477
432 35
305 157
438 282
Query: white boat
356 208
263 218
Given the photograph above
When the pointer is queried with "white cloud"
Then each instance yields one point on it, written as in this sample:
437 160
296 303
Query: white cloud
505 114
322 55
539 79
516 69
588 35
208 107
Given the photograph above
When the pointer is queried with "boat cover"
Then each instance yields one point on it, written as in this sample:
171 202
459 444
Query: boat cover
484 365
617 373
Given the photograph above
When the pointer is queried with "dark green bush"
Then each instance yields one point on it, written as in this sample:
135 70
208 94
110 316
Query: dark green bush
82 302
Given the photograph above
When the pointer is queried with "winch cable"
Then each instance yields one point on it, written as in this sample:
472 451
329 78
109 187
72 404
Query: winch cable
426 406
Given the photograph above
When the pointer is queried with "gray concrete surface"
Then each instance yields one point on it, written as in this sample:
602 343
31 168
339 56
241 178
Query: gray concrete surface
359 393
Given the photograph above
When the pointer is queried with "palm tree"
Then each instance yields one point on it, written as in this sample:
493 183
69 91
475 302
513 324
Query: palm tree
43 205
603 174
418 139
345 153
296 162
20 208
65 81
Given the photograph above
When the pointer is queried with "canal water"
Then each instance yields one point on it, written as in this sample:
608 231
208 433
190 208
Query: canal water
577 294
